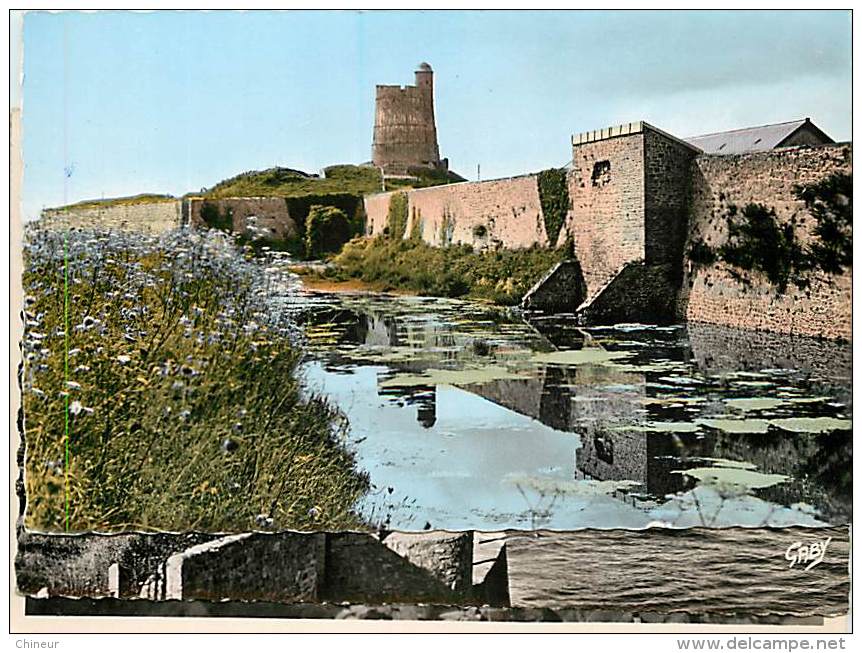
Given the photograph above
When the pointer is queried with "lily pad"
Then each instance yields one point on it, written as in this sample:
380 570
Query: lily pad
812 424
556 486
737 477
737 425
661 427
580 357
467 376
754 403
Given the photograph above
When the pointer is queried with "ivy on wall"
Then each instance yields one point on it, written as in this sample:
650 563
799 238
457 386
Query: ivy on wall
215 219
417 226
758 242
447 229
830 201
554 198
396 218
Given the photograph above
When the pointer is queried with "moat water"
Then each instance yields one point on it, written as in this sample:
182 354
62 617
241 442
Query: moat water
471 416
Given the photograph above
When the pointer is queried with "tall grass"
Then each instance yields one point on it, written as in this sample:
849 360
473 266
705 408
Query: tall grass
181 390
502 276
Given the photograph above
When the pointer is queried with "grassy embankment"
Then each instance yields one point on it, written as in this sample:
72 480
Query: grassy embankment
161 392
382 263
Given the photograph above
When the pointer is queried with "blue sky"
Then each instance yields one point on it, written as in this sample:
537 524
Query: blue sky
117 103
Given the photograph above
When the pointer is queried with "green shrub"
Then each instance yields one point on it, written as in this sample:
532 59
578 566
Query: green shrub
215 219
326 230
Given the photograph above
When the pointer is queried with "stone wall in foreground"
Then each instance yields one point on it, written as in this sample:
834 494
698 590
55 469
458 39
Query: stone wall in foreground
711 294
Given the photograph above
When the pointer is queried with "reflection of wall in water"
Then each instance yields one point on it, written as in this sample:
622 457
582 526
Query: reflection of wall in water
718 349
646 457
582 399
380 331
426 409
818 467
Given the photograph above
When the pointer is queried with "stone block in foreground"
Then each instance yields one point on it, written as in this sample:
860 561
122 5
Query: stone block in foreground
404 567
280 567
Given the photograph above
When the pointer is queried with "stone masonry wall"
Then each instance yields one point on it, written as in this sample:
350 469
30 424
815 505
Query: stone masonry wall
150 217
562 290
710 294
489 214
498 213
639 293
284 566
666 166
606 188
376 211
262 216
77 565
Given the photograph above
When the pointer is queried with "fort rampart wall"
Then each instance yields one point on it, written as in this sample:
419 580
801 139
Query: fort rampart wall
713 294
488 214
606 221
258 216
150 217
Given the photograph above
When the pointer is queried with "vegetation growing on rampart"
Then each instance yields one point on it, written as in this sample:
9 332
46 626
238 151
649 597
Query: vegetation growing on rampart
143 198
396 217
758 242
554 198
326 230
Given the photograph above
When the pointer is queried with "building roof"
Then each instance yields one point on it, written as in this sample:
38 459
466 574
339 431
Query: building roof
752 139
424 66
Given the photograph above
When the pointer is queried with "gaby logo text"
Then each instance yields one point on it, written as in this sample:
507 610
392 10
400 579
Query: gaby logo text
801 553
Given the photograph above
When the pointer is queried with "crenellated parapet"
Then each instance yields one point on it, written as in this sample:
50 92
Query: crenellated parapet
405 132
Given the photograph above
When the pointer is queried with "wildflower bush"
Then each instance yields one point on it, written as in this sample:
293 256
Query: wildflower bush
502 277
174 364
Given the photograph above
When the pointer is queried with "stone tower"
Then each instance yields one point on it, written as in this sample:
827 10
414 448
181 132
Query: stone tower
405 134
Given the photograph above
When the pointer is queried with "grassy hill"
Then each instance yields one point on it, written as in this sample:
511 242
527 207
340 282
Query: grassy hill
337 179
142 198
344 179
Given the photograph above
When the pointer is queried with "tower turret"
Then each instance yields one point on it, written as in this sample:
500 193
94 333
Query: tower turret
425 77
405 133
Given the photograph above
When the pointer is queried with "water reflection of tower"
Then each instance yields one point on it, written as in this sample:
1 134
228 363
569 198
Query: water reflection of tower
650 458
426 411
